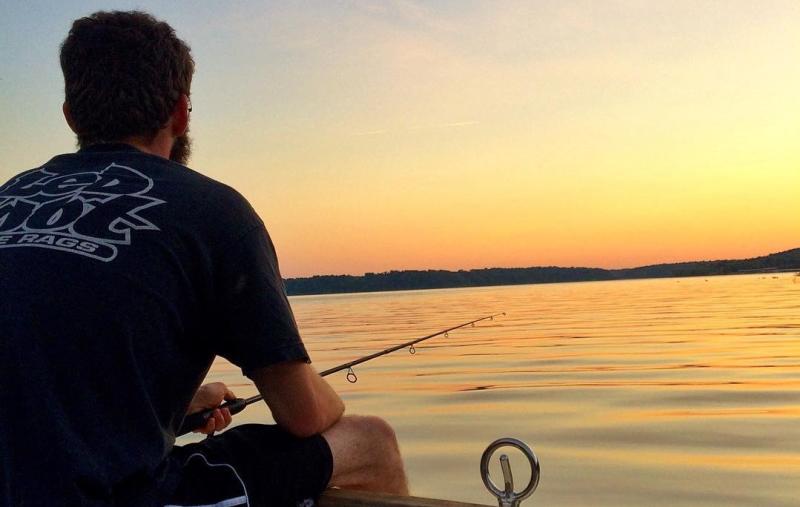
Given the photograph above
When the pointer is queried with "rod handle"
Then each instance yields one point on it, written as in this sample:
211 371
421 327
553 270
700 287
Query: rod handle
197 420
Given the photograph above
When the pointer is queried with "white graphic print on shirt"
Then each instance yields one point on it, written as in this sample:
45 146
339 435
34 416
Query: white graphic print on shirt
89 213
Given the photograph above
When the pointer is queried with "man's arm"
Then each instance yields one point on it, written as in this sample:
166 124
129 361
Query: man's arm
301 401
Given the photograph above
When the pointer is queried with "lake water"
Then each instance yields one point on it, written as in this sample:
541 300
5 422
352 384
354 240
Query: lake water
669 392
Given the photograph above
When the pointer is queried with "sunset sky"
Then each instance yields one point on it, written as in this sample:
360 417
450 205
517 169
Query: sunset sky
453 134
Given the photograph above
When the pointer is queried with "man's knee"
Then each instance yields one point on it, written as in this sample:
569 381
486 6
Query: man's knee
366 455
367 440
378 431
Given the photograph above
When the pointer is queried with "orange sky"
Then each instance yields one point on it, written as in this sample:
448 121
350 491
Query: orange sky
411 135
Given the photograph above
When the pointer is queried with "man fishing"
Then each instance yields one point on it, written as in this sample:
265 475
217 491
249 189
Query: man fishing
123 274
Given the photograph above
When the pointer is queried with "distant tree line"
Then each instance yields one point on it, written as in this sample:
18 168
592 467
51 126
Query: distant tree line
440 279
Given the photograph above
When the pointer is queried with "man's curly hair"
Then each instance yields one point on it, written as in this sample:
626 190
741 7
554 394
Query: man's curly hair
123 74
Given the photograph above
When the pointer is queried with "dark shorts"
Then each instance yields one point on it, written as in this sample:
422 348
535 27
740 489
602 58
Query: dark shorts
253 465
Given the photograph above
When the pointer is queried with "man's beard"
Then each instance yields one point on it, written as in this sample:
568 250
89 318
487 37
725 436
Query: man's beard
181 149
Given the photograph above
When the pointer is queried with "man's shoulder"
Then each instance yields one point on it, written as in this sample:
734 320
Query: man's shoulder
220 197
220 202
220 192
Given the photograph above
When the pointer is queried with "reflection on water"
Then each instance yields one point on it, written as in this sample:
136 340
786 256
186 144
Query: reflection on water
672 391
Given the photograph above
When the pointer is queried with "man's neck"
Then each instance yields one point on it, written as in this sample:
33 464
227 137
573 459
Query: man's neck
161 145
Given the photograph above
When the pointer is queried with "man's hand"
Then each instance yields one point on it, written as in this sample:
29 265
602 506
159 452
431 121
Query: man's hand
211 396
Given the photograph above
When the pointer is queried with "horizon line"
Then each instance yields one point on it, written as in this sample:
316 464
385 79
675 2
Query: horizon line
543 266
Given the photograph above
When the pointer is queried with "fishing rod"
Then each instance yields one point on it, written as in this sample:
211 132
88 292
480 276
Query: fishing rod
198 419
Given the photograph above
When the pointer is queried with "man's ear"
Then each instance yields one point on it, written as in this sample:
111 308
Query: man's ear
68 116
180 116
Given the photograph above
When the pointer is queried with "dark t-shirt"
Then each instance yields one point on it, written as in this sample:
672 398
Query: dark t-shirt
122 276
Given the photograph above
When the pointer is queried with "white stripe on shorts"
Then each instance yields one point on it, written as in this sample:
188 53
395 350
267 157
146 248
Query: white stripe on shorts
230 502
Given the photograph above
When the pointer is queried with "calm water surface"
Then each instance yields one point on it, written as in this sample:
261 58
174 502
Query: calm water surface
667 392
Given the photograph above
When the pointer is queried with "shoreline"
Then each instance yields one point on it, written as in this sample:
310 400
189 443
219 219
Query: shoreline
391 281
384 291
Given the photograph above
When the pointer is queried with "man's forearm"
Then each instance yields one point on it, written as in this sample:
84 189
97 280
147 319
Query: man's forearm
300 400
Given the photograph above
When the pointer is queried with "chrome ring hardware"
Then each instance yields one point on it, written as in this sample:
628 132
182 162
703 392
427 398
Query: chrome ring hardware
507 497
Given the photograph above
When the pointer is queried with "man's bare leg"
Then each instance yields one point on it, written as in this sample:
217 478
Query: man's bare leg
366 456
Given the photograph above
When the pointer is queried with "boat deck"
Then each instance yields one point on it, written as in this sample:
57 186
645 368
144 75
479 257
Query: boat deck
344 498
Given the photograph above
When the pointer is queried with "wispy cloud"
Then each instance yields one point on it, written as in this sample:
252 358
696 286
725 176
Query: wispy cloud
412 13
446 125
